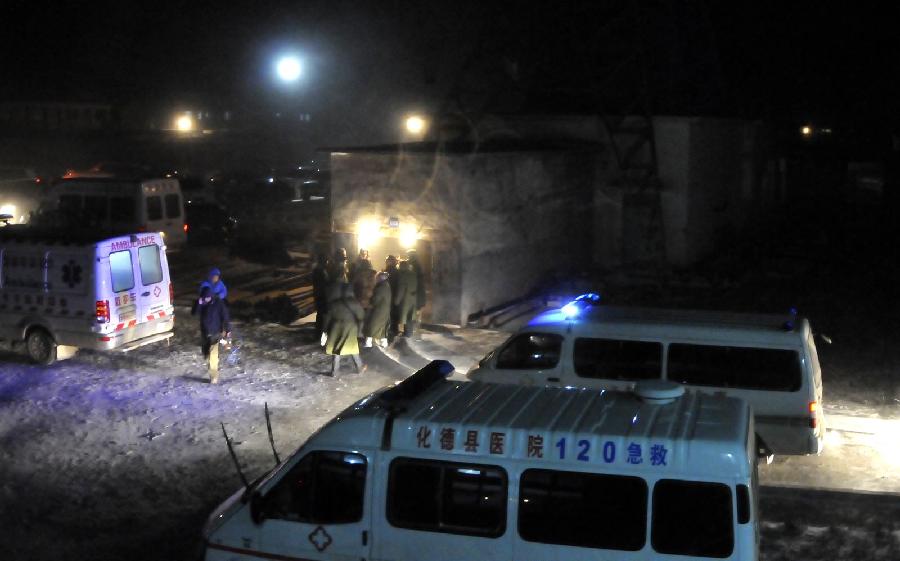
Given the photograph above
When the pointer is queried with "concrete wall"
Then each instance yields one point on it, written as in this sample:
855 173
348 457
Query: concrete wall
495 223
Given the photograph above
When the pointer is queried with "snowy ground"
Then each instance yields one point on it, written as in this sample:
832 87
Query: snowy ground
122 456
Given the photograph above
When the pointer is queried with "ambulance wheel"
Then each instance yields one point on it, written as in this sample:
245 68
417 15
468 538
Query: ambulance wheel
41 347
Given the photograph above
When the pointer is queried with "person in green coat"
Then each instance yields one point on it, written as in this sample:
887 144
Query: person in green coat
345 317
406 298
378 317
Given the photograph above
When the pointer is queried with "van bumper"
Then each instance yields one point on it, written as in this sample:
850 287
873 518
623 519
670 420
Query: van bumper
790 435
115 339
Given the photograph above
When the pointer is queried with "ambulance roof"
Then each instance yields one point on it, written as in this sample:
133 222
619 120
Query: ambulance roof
697 433
785 329
81 237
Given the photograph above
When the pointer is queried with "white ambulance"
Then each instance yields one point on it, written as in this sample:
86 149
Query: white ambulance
768 360
119 205
60 291
441 470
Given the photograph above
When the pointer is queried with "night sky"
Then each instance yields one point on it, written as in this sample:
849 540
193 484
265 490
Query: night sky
791 62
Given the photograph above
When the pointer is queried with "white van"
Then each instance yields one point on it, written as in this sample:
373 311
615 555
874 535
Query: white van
768 360
60 291
441 470
122 206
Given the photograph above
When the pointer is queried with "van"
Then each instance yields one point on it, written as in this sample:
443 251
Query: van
442 470
112 204
768 360
60 291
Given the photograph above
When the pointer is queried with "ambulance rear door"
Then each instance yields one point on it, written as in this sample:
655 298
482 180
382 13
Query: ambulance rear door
151 278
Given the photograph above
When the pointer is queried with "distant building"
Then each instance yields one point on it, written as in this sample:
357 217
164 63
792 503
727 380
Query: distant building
538 195
49 115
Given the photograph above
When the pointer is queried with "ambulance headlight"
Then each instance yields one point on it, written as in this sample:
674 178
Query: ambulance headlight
367 232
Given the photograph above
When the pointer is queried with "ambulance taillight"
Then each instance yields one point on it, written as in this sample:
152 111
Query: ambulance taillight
813 420
171 294
102 308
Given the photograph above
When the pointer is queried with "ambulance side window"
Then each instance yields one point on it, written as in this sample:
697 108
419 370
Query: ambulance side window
583 509
449 497
154 208
121 270
173 206
121 210
323 488
151 270
692 518
618 360
531 351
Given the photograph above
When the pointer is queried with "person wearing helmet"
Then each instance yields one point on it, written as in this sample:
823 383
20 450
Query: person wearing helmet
214 325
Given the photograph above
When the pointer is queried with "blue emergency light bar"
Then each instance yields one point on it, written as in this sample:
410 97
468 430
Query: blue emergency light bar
574 308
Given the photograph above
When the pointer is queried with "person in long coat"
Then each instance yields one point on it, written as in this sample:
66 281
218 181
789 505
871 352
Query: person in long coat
345 318
363 282
378 317
405 299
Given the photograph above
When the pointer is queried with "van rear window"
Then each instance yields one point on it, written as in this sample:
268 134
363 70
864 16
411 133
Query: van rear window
735 367
692 518
530 351
449 497
173 206
148 259
618 360
121 270
583 509
154 208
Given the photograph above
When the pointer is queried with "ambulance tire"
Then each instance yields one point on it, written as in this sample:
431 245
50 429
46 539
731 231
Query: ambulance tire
41 347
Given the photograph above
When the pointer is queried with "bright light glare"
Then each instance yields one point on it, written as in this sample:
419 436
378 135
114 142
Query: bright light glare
184 123
368 232
570 310
289 68
408 235
415 124
806 130
8 209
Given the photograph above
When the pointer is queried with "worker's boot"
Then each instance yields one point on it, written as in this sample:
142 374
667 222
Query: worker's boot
368 344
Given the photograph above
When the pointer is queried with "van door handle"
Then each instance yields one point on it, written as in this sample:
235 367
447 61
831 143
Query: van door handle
145 293
553 379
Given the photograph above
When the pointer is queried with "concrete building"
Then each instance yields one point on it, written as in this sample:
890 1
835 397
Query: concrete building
541 195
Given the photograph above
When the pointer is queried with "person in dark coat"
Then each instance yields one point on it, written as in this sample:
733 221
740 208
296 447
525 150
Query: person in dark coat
362 262
363 282
214 324
337 271
320 291
390 267
413 258
378 316
405 300
345 318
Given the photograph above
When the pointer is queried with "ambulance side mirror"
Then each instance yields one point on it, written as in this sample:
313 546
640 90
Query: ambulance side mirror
257 508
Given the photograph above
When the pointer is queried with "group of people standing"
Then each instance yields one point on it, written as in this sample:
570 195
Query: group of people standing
355 302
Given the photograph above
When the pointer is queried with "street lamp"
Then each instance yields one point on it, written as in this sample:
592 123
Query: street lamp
415 124
184 123
289 68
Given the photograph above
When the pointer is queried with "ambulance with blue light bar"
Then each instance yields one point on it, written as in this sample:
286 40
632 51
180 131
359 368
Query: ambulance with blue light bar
768 360
442 470
64 290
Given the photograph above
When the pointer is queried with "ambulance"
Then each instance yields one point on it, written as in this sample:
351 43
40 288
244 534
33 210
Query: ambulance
768 360
64 290
444 470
